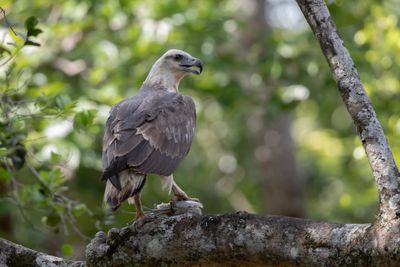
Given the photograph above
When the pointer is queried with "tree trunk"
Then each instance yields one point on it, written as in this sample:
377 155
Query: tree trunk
282 186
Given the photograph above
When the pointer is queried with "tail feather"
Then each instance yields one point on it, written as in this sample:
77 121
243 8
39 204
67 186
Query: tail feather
131 183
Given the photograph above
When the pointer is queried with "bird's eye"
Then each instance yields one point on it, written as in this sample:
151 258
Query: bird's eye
178 57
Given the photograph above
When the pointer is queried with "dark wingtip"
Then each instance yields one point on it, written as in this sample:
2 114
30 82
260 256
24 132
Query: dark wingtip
115 182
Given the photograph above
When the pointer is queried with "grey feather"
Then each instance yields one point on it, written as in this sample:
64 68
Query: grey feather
148 133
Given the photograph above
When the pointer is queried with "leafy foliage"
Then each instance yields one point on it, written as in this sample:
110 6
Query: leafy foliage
21 117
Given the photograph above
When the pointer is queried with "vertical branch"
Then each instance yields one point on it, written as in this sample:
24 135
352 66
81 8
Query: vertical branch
358 105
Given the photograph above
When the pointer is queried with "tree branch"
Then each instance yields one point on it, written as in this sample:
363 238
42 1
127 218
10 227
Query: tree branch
359 106
239 239
16 255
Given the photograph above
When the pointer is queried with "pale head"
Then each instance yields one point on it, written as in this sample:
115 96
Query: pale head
171 67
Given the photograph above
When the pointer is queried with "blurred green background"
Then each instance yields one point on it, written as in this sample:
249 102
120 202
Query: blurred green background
272 133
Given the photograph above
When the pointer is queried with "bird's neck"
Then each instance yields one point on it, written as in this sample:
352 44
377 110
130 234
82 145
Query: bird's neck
164 80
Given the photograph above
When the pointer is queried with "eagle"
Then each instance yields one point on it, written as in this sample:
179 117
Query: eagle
150 133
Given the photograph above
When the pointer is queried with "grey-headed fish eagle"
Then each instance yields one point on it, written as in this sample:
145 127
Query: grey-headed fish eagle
150 132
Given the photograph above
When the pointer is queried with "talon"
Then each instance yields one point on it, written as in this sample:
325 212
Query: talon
180 198
141 220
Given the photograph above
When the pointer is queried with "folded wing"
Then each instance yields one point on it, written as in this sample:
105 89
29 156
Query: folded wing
150 134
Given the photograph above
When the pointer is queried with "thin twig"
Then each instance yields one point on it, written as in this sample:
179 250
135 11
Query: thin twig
21 210
63 222
38 177
8 60
75 227
3 12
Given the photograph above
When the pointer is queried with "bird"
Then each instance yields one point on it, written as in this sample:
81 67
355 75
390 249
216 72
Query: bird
150 133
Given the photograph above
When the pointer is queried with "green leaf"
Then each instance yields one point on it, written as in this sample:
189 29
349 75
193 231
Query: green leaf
30 25
29 42
62 101
34 32
84 118
31 22
67 250
3 151
54 180
31 195
18 39
52 220
79 209
5 176
55 157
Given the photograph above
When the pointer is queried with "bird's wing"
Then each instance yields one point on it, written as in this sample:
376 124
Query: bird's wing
151 134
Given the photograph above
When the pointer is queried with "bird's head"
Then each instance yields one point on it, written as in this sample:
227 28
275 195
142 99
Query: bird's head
179 61
171 67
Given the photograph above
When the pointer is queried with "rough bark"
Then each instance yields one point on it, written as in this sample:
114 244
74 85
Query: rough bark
359 106
16 255
239 239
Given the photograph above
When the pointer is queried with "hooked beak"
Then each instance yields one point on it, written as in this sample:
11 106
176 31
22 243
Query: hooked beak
193 65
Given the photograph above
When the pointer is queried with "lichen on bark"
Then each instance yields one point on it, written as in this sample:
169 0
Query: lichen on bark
239 239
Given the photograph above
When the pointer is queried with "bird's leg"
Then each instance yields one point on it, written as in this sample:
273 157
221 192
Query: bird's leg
169 183
179 194
140 217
